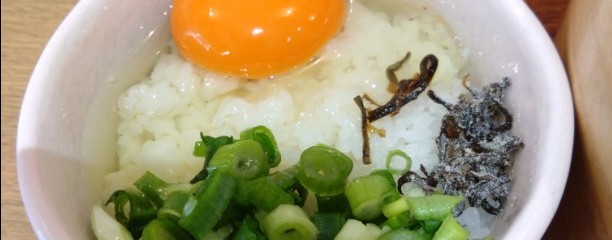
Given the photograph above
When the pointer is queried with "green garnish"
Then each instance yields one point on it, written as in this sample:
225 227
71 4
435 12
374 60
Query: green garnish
242 159
152 187
451 230
236 197
264 136
201 216
367 194
324 170
289 222
207 148
403 155
328 224
141 210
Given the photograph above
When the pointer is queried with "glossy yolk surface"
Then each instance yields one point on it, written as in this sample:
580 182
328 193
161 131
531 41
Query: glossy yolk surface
254 38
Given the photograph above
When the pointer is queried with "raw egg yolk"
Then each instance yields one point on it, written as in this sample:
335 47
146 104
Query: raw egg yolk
254 38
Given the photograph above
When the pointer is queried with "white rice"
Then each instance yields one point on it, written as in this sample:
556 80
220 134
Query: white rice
163 114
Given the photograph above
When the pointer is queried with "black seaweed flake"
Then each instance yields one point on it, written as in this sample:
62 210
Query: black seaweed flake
475 149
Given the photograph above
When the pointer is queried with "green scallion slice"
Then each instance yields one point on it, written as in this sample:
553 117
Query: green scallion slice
266 196
396 207
200 149
173 206
328 224
286 178
366 196
141 210
324 170
334 203
398 221
153 187
106 227
243 159
356 230
248 230
200 217
433 207
264 136
431 226
451 230
288 222
164 229
207 147
407 162
404 234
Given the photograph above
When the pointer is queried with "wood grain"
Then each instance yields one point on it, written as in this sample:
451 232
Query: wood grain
28 24
584 44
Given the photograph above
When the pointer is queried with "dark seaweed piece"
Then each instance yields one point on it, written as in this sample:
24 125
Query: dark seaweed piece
475 148
365 149
405 91
427 183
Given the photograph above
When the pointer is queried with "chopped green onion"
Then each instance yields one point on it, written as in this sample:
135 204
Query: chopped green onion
451 230
248 230
266 196
299 194
173 206
398 221
199 219
324 170
286 178
106 227
184 187
356 230
214 143
221 233
433 207
241 195
328 224
163 229
141 210
260 215
395 208
152 187
209 147
201 175
232 214
335 203
199 187
200 149
366 196
431 226
399 153
264 136
389 177
288 222
235 188
404 234
243 159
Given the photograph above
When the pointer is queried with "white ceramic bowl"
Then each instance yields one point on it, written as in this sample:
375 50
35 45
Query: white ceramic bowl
68 124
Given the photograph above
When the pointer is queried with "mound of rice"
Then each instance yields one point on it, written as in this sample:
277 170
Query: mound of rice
163 114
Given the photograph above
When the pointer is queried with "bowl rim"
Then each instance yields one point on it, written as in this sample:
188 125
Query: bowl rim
533 226
36 208
547 193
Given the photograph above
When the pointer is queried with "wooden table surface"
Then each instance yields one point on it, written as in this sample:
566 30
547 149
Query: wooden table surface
28 24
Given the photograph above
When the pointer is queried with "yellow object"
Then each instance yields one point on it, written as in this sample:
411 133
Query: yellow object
254 38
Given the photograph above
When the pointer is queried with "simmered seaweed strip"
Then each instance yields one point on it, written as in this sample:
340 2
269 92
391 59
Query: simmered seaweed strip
406 90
